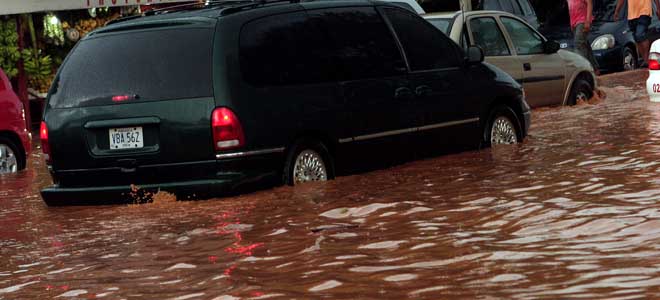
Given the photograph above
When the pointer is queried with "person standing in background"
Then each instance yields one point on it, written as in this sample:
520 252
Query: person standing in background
639 19
581 15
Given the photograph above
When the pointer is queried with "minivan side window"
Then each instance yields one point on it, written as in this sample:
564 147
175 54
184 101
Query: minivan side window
284 49
487 35
524 39
360 43
425 46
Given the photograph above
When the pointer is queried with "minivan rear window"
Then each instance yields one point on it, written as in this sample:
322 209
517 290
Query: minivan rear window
162 64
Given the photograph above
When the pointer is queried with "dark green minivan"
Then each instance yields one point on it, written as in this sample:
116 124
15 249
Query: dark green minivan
205 99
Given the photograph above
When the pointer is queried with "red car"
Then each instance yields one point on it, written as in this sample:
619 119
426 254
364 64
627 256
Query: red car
15 139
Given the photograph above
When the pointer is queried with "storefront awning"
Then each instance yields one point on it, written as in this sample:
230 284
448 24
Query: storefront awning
9 7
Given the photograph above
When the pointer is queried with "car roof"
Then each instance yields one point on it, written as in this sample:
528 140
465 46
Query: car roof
450 15
219 9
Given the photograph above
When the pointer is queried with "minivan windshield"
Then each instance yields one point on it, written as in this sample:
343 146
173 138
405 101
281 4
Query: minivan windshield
150 65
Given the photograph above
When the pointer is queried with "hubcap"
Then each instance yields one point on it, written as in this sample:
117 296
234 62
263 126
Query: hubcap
309 166
581 96
503 132
628 62
8 162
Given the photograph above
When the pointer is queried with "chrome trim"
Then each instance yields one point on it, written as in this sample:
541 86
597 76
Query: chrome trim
248 153
447 124
384 134
407 130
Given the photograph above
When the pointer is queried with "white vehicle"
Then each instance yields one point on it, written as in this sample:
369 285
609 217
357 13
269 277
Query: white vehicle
653 83
409 4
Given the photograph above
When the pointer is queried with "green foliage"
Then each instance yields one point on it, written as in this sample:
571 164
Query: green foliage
9 54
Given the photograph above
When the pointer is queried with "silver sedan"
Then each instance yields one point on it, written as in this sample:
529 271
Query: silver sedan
550 76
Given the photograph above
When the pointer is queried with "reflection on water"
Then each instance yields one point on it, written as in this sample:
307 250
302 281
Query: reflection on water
573 212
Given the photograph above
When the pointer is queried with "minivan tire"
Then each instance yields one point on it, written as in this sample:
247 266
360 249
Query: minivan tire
581 89
20 156
311 148
498 114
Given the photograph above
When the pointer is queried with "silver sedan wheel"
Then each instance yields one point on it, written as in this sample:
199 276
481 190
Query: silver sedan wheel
8 161
503 132
309 166
581 96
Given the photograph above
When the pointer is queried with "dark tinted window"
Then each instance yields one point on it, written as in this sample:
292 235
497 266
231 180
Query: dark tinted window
283 50
425 46
507 6
359 41
553 14
491 5
526 8
489 37
155 65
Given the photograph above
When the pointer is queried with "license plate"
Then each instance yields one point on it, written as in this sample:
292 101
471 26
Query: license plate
126 138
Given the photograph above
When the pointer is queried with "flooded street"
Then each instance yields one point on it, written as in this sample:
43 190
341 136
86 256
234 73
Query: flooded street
573 212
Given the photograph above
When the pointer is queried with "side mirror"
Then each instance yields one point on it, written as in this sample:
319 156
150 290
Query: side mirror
551 47
474 55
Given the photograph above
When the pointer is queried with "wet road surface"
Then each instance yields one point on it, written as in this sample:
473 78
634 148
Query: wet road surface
571 213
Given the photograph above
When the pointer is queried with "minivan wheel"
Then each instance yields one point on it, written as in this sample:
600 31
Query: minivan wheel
580 91
308 161
11 160
503 127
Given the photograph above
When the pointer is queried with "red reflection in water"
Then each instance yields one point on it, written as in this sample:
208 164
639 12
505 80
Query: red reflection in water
243 250
56 244
257 294
213 259
229 224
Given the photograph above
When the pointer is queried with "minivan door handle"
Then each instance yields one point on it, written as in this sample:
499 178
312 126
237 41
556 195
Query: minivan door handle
403 93
527 66
423 90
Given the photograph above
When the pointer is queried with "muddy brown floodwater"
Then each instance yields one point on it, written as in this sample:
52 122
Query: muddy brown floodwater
573 212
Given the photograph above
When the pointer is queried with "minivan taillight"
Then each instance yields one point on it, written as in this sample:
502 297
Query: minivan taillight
45 147
653 61
227 130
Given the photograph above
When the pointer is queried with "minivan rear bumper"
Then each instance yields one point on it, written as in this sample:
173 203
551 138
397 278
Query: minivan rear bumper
194 180
122 194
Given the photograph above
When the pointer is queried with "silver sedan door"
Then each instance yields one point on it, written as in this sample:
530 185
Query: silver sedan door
543 74
485 33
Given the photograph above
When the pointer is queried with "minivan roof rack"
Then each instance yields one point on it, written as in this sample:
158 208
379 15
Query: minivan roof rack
253 4
180 7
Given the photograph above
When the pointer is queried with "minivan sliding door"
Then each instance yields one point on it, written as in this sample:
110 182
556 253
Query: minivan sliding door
438 80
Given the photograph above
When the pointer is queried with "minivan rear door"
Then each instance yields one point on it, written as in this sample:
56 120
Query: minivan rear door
134 96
